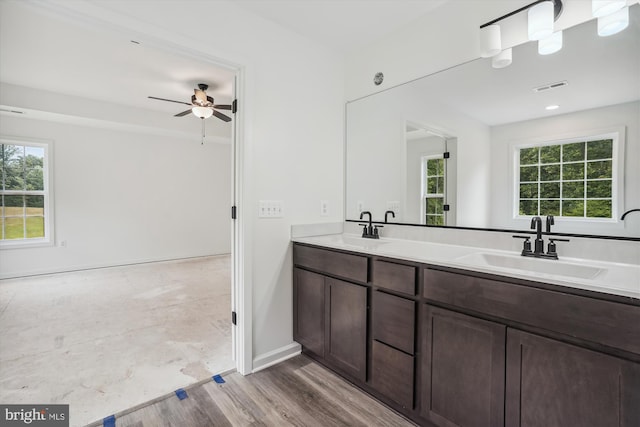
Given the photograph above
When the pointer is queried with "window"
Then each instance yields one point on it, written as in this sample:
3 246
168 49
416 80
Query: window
24 192
433 187
572 179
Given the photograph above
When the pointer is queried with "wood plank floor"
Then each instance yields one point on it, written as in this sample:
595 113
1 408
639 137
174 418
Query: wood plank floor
297 392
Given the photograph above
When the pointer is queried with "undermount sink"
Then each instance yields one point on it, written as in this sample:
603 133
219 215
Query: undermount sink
359 242
535 265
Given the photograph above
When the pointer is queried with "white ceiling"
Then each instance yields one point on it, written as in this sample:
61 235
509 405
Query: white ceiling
342 25
46 52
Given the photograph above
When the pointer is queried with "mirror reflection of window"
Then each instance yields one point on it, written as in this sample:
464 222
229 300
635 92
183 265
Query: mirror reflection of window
570 179
433 190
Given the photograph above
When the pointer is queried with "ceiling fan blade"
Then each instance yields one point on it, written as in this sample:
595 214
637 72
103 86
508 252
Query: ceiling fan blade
184 113
169 100
221 116
200 95
222 107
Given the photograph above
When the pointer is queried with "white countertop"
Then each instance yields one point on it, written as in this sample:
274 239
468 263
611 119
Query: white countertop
606 277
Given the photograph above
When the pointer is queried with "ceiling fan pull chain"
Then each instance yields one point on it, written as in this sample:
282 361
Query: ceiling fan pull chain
202 120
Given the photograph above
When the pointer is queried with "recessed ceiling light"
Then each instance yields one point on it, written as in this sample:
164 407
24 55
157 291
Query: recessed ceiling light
552 107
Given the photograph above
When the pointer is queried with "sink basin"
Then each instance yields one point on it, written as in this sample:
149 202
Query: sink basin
535 265
356 242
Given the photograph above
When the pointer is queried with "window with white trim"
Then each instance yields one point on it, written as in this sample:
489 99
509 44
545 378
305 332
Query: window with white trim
571 179
433 189
25 216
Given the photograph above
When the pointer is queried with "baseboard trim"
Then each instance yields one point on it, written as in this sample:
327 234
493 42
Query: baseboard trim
276 356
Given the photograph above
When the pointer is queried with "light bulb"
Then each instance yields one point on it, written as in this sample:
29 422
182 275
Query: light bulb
614 23
550 44
540 20
606 7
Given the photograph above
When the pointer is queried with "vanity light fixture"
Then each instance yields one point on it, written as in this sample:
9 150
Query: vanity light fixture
541 16
503 59
551 44
612 24
490 41
601 8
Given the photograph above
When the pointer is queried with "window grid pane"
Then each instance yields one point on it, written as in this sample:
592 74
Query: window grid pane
570 180
23 192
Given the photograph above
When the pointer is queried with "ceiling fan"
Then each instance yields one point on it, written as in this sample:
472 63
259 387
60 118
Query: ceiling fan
202 105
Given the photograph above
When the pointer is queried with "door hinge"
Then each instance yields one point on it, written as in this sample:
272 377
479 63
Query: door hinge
234 106
446 154
234 319
234 213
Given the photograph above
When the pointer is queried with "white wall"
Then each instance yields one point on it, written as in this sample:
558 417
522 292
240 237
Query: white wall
376 154
122 197
567 126
292 130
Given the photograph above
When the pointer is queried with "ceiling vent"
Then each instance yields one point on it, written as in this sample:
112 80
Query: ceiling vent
550 86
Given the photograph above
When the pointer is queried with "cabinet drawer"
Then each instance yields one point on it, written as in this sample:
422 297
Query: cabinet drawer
395 277
392 373
394 321
353 267
605 322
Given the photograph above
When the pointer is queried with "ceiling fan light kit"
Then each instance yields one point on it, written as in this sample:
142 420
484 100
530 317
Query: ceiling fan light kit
202 112
202 106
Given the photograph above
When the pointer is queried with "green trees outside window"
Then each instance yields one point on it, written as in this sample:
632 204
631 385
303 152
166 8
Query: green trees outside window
567 180
434 179
22 192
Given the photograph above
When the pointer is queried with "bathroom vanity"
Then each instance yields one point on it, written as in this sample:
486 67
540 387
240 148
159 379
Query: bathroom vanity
447 341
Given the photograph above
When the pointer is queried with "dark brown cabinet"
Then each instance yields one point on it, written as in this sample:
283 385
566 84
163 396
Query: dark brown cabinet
393 346
346 327
453 348
551 383
309 310
463 369
392 374
329 314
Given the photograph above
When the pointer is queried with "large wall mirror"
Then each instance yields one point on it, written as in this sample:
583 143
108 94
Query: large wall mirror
474 146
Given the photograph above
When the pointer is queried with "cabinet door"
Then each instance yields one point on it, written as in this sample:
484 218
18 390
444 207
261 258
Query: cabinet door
309 310
462 370
550 383
346 327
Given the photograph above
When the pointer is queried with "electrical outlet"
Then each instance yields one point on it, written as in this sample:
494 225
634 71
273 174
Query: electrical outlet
324 208
270 209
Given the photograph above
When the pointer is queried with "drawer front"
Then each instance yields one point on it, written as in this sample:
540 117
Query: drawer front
395 277
353 267
394 321
392 374
609 323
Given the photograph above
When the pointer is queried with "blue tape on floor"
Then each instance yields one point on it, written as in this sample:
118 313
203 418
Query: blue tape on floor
218 379
181 394
110 421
